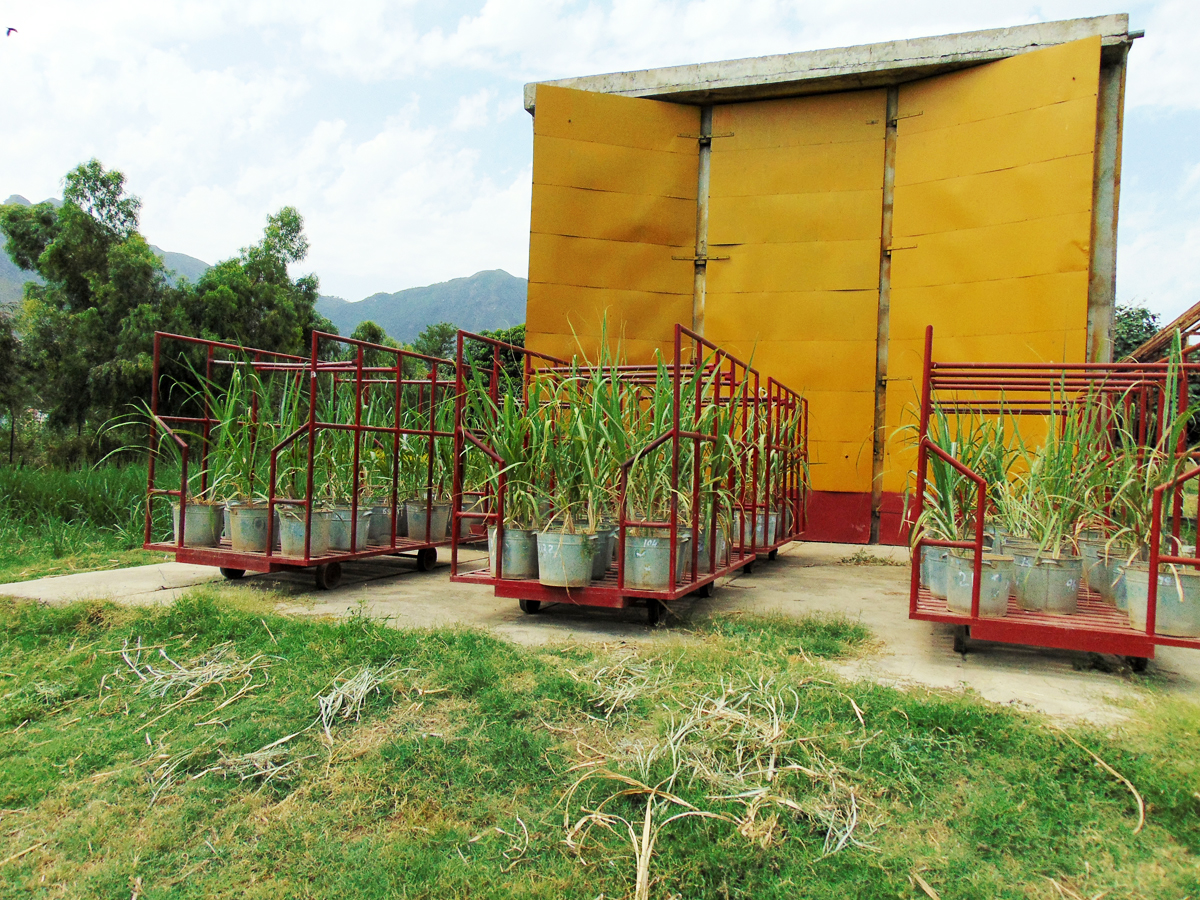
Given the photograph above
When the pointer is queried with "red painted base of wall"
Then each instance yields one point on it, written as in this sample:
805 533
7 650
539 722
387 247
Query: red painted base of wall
839 517
892 529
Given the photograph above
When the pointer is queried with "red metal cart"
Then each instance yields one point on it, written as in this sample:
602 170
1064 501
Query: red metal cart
773 430
336 367
1038 390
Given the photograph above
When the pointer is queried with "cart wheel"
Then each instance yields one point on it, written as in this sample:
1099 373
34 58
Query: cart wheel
329 576
530 606
705 590
426 559
748 568
1137 663
232 574
654 611
773 555
961 633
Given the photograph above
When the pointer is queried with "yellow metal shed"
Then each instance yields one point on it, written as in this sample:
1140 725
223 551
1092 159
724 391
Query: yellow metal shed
817 210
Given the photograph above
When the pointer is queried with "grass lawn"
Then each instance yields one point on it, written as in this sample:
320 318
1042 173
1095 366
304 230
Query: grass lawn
179 752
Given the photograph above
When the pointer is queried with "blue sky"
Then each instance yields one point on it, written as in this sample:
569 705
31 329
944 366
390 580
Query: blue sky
397 127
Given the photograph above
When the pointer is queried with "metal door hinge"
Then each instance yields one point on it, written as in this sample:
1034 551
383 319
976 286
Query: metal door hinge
894 247
701 259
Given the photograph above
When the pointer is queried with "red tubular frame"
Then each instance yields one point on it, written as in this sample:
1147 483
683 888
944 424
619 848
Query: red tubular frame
363 380
770 408
1097 627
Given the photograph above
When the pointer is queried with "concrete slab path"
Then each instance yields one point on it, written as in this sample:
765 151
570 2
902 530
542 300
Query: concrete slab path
805 579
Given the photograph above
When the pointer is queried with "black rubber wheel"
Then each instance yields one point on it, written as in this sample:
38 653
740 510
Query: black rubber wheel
426 559
705 590
530 606
328 576
961 633
654 612
232 574
1137 663
748 569
773 555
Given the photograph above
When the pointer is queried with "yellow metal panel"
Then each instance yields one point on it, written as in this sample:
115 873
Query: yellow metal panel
611 119
565 309
1042 346
1005 309
1036 135
1016 250
604 167
810 168
1053 188
840 466
824 119
829 266
993 196
613 202
792 218
613 217
815 315
812 365
554 259
567 347
796 203
1041 78
838 415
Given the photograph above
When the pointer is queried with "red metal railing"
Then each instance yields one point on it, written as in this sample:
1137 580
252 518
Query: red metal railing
770 424
336 366
1051 391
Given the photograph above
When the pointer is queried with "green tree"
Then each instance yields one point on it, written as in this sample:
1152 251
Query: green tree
373 333
99 273
252 300
1132 327
87 332
437 340
12 388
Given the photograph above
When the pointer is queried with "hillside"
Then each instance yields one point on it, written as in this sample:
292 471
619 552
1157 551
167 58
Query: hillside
484 301
12 279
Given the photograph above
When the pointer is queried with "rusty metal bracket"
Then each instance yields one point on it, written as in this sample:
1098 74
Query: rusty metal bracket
894 119
706 139
701 259
889 250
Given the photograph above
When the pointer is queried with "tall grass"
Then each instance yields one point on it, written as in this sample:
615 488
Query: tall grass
63 520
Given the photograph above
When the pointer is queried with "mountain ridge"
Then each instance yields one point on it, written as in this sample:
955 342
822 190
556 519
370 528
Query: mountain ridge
485 301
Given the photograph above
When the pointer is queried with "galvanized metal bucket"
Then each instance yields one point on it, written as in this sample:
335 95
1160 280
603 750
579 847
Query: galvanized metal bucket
202 524
995 584
437 517
292 532
339 528
1178 610
248 528
565 560
520 552
1045 584
934 562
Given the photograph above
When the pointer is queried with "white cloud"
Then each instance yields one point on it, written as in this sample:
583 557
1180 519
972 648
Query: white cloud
472 111
391 125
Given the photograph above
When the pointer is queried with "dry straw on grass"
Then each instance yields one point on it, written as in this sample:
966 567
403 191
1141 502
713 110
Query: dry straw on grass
741 745
347 696
218 668
622 681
